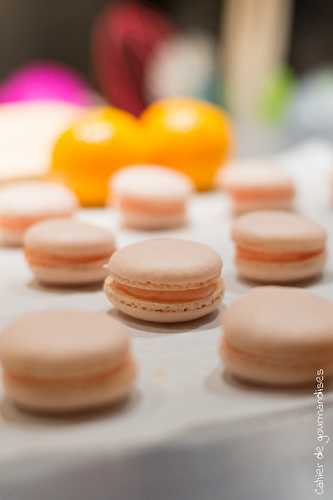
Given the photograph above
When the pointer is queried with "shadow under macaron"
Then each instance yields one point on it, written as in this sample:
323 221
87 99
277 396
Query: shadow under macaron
219 380
325 278
145 329
16 415
238 285
65 289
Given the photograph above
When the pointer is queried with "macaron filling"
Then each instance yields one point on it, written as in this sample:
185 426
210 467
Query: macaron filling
248 195
168 296
283 359
150 207
251 254
37 258
72 379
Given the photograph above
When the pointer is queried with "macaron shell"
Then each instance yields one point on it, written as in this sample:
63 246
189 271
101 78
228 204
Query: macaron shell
160 312
151 182
69 237
75 395
280 320
165 263
276 230
244 177
281 272
63 343
36 198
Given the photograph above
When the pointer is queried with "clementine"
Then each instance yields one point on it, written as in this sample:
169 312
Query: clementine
192 136
93 148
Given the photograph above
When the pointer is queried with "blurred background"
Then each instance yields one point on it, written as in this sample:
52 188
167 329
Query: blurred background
268 63
270 44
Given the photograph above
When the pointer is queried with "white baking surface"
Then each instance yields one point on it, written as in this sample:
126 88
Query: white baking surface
180 382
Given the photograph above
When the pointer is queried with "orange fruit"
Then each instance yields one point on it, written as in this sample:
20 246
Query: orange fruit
191 136
93 148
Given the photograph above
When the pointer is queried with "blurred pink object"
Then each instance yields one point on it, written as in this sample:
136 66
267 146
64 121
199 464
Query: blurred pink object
45 81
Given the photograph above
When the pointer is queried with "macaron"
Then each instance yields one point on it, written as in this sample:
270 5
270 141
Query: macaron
68 251
165 280
278 336
257 187
150 197
278 247
25 203
64 361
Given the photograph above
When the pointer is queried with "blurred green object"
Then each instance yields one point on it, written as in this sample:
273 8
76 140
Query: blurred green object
277 94
215 93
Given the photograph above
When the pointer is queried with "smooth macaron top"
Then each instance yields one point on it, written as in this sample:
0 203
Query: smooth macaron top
277 230
168 263
36 198
69 237
151 182
254 176
60 344
280 322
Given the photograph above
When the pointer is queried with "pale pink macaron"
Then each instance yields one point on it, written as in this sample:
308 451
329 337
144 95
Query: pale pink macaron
68 251
278 336
257 187
278 247
61 361
24 203
165 280
150 197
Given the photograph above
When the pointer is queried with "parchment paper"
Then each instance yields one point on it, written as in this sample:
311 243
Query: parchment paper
181 381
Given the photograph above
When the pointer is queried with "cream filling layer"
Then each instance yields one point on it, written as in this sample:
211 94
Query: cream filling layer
71 379
252 195
279 360
167 296
251 254
150 207
42 259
